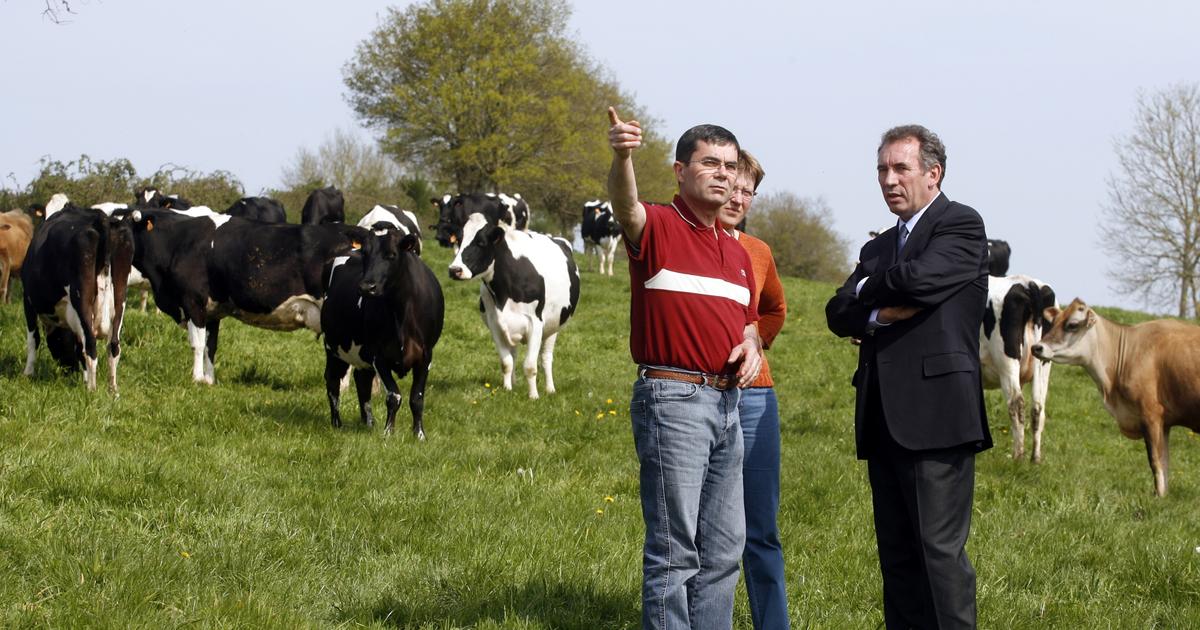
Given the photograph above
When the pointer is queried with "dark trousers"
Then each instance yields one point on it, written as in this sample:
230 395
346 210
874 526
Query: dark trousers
922 502
922 505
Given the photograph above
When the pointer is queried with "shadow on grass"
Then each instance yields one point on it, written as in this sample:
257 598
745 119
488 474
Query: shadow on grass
541 603
252 375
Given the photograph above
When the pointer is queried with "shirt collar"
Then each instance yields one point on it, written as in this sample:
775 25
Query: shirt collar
911 224
687 215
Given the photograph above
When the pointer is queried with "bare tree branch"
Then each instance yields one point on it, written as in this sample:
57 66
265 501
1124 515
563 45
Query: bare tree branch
1152 226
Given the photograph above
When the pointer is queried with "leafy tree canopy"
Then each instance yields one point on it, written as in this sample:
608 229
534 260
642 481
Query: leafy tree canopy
491 95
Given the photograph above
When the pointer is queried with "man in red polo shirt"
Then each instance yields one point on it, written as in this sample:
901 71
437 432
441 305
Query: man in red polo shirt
693 336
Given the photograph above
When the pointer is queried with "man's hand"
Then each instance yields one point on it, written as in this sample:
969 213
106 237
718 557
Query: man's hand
893 314
749 352
624 137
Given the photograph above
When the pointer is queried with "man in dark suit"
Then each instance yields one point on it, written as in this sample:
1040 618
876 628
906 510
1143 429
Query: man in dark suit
916 300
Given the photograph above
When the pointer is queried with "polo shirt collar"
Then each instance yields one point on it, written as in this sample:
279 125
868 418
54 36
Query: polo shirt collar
686 214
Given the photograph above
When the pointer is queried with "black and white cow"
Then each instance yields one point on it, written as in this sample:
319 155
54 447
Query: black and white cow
152 198
262 209
402 220
998 255
383 313
1013 323
453 212
323 205
74 276
529 289
204 266
600 232
136 281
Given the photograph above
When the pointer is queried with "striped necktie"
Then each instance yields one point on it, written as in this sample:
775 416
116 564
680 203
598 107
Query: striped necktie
903 238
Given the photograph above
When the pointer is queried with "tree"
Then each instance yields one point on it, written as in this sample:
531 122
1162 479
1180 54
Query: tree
1152 224
491 95
86 181
357 167
800 235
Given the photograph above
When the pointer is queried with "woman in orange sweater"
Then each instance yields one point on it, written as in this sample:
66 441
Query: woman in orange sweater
762 560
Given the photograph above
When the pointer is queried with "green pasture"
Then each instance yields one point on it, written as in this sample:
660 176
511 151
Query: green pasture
237 505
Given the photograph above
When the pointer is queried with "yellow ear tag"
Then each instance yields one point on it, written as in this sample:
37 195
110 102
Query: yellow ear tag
149 224
453 239
355 245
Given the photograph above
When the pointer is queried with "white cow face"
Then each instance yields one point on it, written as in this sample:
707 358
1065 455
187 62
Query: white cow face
1070 338
478 252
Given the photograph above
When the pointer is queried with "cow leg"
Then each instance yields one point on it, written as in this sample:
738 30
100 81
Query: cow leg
548 361
1010 386
210 358
416 398
335 369
393 396
145 299
532 351
80 304
1156 450
198 339
5 270
505 350
32 338
114 335
1037 415
363 380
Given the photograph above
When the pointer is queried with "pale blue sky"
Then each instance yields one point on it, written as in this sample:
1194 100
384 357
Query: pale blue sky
1028 96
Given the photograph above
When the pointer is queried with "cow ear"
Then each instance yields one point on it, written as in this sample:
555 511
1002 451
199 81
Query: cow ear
409 243
1050 313
1091 318
496 235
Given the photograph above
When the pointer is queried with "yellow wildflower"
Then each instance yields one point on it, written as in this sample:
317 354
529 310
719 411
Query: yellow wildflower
609 499
185 554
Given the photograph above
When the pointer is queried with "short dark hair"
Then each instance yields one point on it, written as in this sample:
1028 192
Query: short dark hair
931 147
712 134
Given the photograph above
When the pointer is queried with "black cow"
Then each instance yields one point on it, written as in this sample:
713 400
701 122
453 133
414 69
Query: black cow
998 254
75 276
453 212
152 198
324 205
262 209
383 313
600 232
204 266
402 220
529 289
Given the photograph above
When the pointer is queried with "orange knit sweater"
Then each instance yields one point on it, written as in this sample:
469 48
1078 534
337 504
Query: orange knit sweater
772 309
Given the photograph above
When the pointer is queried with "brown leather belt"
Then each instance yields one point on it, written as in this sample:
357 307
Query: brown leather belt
712 380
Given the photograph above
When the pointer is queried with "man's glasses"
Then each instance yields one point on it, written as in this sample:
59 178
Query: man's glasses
713 164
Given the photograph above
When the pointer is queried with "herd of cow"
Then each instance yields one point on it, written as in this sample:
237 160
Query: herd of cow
380 308
364 287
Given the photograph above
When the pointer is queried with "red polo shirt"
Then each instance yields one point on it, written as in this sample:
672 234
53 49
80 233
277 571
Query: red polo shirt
692 292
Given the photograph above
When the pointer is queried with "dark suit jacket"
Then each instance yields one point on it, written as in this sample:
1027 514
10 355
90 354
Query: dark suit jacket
926 367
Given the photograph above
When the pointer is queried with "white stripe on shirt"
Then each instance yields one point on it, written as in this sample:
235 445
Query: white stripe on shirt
667 280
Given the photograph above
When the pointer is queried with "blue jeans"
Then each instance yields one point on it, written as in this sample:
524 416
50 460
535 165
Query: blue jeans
763 558
689 445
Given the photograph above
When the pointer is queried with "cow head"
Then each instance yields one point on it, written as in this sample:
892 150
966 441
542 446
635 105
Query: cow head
451 216
384 253
478 250
1070 338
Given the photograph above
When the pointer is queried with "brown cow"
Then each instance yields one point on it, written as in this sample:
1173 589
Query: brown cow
16 230
1148 374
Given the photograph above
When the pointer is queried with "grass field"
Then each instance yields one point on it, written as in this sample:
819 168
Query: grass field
238 506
